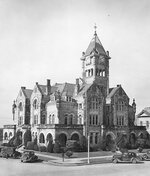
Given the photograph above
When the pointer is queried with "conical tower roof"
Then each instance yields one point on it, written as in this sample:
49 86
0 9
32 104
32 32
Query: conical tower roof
95 45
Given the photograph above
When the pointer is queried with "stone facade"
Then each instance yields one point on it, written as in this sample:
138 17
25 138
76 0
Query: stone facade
87 108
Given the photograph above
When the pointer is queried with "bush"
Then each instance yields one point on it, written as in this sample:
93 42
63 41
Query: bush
69 153
27 137
30 145
42 148
73 145
50 146
56 148
36 148
18 138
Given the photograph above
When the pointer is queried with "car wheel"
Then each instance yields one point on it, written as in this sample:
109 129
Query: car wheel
145 156
134 161
115 160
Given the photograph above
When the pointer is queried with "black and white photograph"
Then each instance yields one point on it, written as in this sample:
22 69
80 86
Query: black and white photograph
74 87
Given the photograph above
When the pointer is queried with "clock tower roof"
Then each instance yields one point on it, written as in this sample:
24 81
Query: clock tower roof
95 45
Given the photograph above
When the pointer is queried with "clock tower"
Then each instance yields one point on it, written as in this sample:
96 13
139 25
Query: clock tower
95 64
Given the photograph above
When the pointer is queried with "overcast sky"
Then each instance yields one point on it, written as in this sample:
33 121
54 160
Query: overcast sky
44 39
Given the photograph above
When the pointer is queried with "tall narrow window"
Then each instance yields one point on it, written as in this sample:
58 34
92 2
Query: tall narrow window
96 138
91 138
53 119
66 119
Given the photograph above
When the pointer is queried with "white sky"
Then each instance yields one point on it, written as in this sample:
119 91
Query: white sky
44 39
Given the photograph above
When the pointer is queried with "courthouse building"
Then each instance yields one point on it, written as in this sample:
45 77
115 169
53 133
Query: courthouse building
75 110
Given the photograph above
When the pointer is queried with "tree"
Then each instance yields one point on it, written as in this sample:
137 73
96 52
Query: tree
27 137
18 138
56 148
50 146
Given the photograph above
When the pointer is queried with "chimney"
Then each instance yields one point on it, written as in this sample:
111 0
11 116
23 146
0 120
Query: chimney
119 85
48 86
23 87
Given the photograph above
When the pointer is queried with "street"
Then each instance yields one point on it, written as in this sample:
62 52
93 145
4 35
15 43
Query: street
13 167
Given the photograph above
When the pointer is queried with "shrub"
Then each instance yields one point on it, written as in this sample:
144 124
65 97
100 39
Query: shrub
56 148
69 153
50 146
27 137
30 145
84 144
36 148
18 139
42 148
73 145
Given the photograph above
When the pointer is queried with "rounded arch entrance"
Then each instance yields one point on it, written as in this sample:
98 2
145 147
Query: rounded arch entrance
110 141
62 138
75 136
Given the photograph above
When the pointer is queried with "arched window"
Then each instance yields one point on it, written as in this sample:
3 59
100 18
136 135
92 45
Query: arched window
20 107
50 119
41 138
10 134
35 104
53 119
5 136
66 119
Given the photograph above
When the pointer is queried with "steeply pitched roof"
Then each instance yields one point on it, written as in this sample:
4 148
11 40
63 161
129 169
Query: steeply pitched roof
84 89
43 89
28 92
95 44
112 91
65 89
144 113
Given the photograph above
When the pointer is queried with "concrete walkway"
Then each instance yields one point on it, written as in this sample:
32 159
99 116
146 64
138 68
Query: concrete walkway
69 161
74 161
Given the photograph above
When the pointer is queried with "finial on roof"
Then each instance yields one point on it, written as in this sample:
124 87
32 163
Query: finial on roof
95 27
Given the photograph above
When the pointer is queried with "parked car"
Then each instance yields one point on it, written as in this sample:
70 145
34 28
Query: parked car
29 156
7 152
125 157
145 156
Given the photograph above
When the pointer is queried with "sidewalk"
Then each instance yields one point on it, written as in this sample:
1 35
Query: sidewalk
74 161
104 157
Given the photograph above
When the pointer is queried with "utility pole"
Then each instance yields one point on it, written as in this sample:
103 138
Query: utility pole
88 149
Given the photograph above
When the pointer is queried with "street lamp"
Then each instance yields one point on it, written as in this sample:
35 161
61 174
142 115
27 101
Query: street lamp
88 149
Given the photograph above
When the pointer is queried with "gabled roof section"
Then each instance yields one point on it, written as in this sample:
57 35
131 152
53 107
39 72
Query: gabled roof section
65 89
112 91
95 45
83 89
27 92
144 113
43 89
